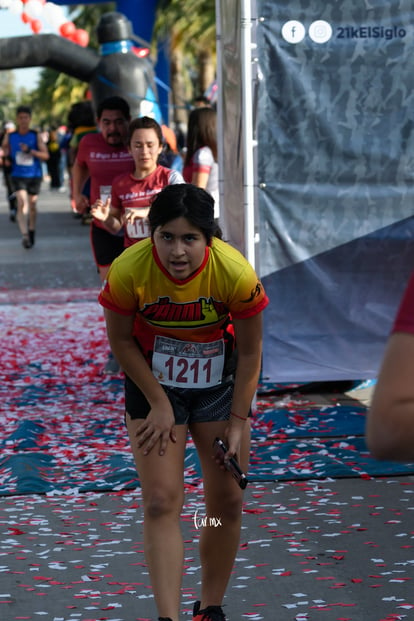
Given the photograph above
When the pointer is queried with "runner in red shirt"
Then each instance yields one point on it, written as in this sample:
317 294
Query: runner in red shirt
102 157
129 203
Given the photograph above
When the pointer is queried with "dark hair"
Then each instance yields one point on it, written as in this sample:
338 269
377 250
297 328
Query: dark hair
145 122
113 103
184 200
202 99
81 114
24 110
202 132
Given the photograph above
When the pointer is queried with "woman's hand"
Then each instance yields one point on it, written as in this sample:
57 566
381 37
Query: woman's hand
130 217
158 426
233 437
100 210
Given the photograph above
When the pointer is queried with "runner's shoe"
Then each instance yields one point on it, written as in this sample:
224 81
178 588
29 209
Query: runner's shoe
211 613
26 242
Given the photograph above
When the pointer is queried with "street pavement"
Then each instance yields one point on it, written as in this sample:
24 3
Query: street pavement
61 257
318 550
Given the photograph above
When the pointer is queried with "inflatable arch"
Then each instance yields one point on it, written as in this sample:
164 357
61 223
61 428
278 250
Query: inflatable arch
116 70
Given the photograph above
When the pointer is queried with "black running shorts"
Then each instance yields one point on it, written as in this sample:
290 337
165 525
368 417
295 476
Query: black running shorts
106 247
190 405
30 184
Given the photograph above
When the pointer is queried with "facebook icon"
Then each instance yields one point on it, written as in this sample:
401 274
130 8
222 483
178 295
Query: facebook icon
293 31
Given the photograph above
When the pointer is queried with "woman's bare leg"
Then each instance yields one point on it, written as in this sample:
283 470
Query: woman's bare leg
162 482
220 537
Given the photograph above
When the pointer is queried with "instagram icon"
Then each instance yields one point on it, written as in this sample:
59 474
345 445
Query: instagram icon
320 31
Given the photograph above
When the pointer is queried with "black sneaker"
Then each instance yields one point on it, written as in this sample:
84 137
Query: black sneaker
26 243
211 613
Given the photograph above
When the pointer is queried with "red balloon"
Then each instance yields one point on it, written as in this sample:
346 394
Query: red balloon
25 18
67 29
81 37
36 26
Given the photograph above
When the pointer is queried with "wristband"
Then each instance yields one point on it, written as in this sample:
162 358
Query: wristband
237 416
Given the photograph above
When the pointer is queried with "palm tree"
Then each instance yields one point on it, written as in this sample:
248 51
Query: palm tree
7 95
188 27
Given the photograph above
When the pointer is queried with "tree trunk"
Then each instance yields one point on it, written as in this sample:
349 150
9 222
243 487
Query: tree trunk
180 112
207 71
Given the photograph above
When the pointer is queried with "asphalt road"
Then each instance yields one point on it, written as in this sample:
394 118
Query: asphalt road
61 256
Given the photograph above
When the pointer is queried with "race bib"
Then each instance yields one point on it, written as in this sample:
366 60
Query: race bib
137 225
24 159
186 364
105 192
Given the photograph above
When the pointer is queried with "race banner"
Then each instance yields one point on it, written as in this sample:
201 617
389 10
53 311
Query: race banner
335 171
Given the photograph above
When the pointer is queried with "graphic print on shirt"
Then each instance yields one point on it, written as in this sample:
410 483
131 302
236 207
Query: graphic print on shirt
199 313
255 293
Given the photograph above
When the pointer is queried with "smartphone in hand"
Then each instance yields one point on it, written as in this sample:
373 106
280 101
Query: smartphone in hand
220 449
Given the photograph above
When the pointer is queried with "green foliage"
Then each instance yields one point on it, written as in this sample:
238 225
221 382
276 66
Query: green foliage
6 82
189 28
190 34
7 95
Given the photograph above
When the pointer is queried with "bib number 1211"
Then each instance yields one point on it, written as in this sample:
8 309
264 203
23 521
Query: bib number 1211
188 365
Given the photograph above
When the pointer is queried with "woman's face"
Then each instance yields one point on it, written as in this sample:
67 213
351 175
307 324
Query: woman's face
145 149
180 247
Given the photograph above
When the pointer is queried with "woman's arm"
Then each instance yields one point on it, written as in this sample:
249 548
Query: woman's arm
159 424
80 175
249 357
390 420
200 179
5 145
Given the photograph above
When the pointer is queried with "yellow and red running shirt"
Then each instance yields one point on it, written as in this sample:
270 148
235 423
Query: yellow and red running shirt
173 317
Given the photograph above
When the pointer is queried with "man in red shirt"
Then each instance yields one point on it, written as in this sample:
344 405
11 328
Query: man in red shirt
101 157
